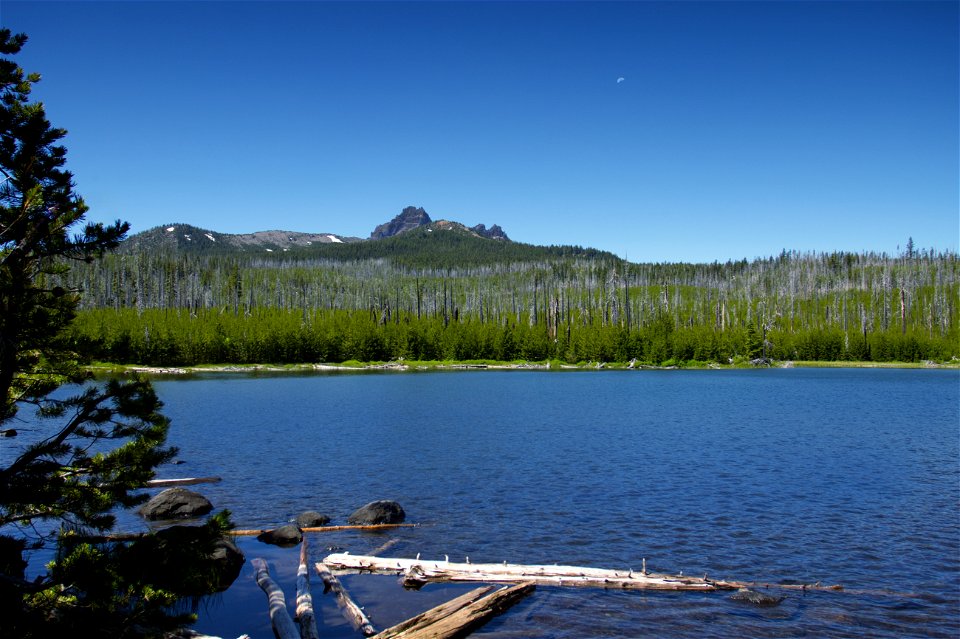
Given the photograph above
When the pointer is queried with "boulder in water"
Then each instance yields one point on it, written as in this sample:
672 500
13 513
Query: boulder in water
378 512
288 535
312 519
176 503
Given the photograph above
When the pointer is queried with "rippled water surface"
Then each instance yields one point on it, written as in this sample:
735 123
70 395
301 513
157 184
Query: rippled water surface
796 475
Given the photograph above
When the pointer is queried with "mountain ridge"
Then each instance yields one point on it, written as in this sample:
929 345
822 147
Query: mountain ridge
186 236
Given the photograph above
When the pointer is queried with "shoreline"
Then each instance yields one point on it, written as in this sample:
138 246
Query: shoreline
417 366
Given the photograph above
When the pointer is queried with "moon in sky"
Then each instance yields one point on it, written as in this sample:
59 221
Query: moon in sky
620 79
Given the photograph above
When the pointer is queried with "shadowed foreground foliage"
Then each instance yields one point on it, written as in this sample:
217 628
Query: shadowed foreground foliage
76 458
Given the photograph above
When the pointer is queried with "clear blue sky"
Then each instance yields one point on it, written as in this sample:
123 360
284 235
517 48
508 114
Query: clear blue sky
738 130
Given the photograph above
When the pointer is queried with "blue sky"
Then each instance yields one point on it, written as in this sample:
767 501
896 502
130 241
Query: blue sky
738 130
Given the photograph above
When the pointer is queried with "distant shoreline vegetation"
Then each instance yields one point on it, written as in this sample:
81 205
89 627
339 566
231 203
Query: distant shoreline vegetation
165 338
171 308
107 369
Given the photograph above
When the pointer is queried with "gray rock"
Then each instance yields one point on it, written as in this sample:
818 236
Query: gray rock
377 512
287 535
746 595
312 519
176 503
189 560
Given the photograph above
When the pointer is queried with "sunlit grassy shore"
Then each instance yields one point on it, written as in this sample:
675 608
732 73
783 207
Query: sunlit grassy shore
106 368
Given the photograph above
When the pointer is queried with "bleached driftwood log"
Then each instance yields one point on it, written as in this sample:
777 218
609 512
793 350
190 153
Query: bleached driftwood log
460 616
253 532
305 616
347 605
418 572
283 625
426 618
186 481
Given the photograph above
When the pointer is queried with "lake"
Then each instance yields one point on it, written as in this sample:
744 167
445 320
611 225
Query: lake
848 476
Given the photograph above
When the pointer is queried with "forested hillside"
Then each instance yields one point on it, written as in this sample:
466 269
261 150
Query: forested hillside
438 293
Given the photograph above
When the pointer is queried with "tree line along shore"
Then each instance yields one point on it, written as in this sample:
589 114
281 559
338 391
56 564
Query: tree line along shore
165 308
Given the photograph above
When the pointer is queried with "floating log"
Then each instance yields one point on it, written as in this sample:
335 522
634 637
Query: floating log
428 617
815 586
418 572
122 536
305 616
347 605
283 625
459 617
187 633
384 547
253 532
186 481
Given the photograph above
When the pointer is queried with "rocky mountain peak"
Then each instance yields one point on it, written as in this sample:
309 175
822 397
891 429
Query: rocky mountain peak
493 233
410 218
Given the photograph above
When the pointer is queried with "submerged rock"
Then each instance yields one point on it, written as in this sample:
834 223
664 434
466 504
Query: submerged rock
312 519
189 560
746 595
378 512
288 535
229 560
176 503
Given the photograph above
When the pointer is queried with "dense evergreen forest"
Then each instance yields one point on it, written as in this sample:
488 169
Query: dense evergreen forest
444 294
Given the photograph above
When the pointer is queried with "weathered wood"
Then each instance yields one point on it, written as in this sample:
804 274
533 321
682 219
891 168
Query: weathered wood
186 481
187 633
304 615
253 532
428 617
384 547
730 585
347 605
467 618
243 533
283 625
418 572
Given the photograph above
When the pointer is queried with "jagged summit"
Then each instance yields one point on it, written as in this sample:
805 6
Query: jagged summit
410 218
493 233
413 217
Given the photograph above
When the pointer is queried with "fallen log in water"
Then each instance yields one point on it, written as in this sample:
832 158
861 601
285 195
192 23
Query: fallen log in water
186 481
348 606
418 572
424 619
305 616
253 532
283 625
99 539
460 616
384 547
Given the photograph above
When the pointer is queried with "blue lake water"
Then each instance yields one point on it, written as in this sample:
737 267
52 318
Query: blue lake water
848 476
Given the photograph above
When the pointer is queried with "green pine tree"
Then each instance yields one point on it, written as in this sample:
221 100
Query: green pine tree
84 455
